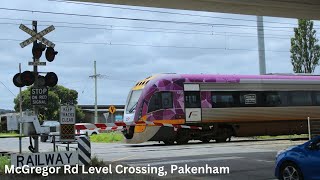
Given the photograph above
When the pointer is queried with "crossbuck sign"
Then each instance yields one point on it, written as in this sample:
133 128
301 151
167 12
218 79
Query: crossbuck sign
36 36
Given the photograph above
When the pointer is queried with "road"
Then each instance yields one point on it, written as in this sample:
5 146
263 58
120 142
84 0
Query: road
245 159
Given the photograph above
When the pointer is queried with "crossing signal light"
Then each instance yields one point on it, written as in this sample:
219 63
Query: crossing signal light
37 50
41 81
17 80
51 79
50 54
27 78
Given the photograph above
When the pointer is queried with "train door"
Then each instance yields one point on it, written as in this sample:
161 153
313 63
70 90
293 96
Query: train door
192 103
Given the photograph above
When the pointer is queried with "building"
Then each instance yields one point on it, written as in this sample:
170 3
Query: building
103 113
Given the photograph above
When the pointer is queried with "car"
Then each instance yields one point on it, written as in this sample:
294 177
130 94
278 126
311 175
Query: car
300 162
54 127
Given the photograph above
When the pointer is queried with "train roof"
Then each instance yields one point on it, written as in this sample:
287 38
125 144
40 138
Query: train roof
219 78
267 76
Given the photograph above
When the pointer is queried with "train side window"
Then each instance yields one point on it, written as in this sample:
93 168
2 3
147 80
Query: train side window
166 100
192 99
155 102
300 98
160 100
317 98
224 99
272 99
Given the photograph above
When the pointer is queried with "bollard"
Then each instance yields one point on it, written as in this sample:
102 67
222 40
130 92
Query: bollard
84 149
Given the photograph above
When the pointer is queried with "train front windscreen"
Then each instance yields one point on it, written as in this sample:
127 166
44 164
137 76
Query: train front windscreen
131 105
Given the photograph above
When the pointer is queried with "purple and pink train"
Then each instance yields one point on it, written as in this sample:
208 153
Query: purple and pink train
223 105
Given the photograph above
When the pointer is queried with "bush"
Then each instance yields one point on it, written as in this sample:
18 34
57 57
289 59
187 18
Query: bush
4 160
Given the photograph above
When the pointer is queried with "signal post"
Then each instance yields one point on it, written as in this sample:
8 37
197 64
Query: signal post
39 91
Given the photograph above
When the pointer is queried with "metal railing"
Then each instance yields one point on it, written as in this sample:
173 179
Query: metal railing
53 140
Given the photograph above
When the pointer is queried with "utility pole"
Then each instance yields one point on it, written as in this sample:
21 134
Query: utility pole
20 110
262 58
95 76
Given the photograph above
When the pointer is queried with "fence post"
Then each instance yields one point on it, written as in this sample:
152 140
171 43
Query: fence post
309 129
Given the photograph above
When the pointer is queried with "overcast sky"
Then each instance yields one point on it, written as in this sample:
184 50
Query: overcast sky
127 51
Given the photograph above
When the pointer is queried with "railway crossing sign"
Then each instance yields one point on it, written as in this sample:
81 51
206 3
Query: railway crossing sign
37 63
39 96
112 109
36 36
67 121
67 115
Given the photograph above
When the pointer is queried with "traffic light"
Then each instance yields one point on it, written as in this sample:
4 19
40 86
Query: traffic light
51 79
50 54
37 50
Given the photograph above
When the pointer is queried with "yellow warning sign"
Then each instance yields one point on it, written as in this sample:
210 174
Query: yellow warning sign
112 109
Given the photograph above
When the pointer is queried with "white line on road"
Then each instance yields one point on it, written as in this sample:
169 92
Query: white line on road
260 160
183 161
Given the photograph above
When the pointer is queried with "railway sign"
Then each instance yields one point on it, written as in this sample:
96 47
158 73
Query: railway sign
45 159
112 109
39 96
36 36
67 115
67 121
37 63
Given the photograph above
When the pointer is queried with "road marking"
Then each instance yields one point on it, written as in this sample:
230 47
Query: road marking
123 158
184 161
260 160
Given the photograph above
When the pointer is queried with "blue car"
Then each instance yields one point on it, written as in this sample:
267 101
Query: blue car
300 162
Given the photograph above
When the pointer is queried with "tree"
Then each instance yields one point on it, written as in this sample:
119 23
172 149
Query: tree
57 96
305 52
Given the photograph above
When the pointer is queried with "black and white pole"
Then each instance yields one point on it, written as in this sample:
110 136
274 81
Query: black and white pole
84 150
35 71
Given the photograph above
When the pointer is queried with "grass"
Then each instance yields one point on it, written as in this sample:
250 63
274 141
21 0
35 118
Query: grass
107 137
95 162
4 160
9 134
282 137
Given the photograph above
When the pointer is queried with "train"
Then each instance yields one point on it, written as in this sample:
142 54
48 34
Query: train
224 106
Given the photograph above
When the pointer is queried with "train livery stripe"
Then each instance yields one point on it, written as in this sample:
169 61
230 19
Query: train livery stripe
259 114
119 126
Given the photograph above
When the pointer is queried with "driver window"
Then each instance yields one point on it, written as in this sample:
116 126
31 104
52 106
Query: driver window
160 100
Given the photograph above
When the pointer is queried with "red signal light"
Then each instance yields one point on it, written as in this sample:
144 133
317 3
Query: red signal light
17 80
50 54
27 78
51 79
37 50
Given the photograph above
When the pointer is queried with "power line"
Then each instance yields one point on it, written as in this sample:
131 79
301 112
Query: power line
144 29
166 12
137 19
111 25
170 31
149 45
8 89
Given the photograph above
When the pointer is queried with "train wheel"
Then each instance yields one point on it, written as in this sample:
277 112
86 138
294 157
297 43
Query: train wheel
221 139
170 142
182 141
182 136
205 140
